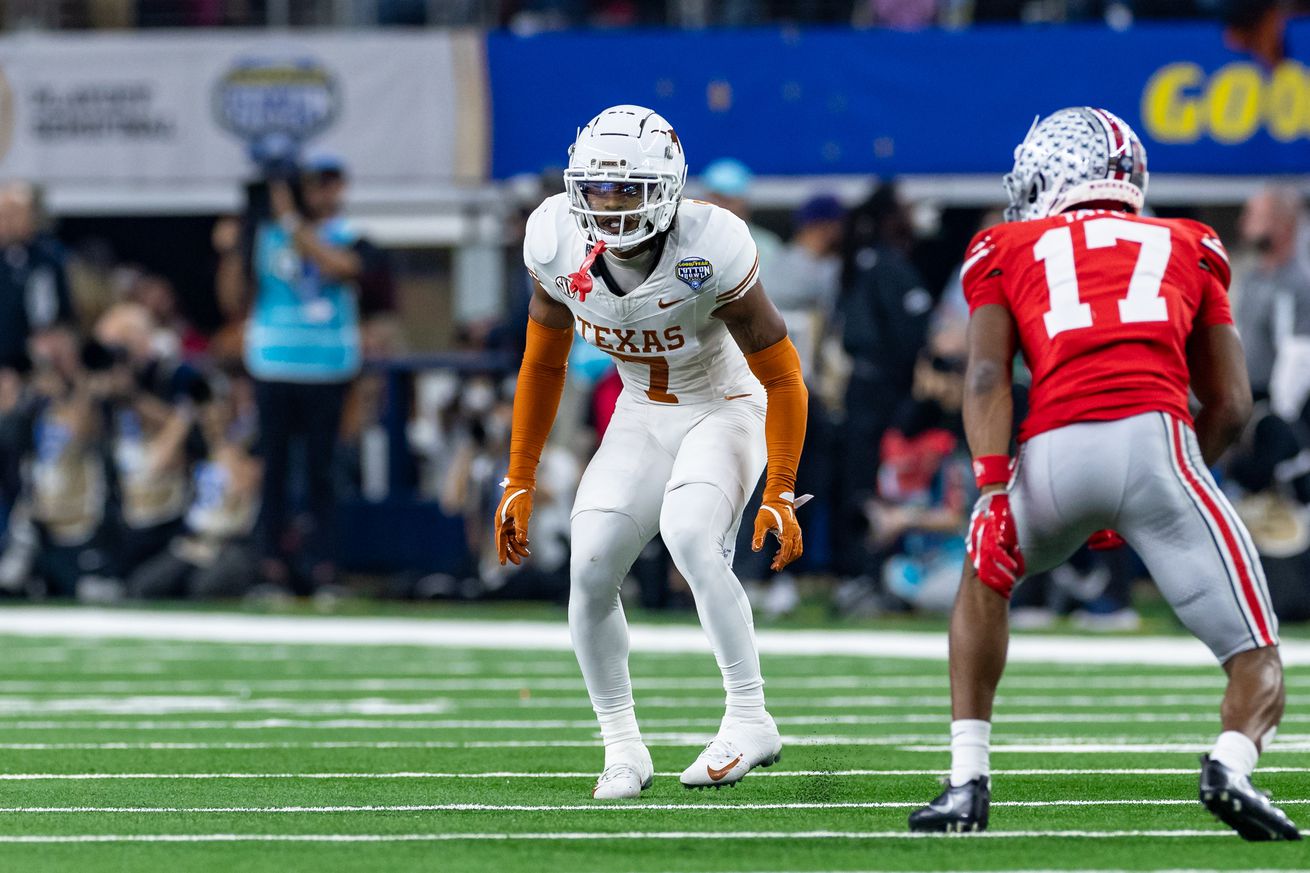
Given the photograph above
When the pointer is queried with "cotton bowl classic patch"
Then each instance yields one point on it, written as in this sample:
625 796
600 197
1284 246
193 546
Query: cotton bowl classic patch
694 271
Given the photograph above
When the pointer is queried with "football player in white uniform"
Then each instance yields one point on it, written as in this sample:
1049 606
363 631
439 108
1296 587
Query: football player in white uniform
670 288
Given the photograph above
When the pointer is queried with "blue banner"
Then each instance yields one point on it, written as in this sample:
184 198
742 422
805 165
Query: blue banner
886 102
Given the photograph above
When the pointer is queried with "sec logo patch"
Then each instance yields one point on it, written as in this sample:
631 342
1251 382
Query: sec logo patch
694 272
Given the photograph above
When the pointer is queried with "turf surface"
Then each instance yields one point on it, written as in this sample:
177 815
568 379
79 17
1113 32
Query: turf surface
408 758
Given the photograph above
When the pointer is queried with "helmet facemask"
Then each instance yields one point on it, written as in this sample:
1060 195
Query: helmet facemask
622 208
625 176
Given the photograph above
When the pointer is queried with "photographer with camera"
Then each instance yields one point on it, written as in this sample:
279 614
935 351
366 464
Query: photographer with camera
306 282
151 404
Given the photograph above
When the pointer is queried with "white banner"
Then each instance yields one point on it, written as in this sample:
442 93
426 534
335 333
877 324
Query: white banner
186 107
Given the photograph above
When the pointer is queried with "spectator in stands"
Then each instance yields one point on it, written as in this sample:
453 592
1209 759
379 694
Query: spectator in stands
151 404
36 321
479 426
36 308
58 535
898 14
884 310
925 489
34 295
804 284
214 556
1271 463
726 182
1271 291
1257 27
805 276
174 336
303 348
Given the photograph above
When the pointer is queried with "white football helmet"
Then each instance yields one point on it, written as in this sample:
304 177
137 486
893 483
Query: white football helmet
1076 155
625 176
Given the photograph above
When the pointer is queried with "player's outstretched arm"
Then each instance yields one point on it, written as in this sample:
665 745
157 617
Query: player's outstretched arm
988 418
760 332
1219 380
536 400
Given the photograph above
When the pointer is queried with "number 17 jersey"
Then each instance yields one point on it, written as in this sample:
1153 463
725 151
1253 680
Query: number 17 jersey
1104 303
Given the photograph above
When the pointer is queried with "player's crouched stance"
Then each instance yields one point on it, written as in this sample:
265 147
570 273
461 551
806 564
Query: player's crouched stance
1116 316
670 289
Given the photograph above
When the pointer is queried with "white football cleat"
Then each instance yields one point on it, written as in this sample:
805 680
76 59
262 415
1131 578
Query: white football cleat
738 749
630 774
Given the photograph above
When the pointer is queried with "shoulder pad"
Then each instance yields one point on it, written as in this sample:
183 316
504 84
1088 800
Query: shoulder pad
541 235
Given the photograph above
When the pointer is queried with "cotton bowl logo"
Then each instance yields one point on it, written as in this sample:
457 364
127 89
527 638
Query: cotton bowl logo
275 104
694 271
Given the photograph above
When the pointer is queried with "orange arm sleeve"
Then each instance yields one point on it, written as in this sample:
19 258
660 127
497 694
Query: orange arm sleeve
536 398
779 369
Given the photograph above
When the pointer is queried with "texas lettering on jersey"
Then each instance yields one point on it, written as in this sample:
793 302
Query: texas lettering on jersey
632 341
1104 303
663 335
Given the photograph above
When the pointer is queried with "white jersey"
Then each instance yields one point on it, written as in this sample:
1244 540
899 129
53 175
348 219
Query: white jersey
663 335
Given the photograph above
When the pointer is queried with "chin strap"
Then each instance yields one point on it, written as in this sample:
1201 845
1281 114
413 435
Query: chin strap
580 282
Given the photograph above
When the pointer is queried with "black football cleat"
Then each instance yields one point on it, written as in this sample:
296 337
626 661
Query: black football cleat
956 810
1237 803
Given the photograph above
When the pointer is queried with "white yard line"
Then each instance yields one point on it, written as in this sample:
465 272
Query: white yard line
214 704
173 704
448 633
911 743
534 686
595 836
1108 748
584 807
407 774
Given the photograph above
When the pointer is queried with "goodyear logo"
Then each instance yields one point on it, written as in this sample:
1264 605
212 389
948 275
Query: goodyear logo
694 271
293 98
1182 103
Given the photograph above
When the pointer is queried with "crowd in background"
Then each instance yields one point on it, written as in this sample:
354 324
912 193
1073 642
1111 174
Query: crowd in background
528 16
141 457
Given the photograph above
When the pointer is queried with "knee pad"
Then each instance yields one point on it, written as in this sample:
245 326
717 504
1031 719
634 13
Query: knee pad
604 545
691 524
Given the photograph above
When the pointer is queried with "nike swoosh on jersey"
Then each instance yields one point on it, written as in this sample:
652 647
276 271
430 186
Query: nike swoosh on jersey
735 396
662 305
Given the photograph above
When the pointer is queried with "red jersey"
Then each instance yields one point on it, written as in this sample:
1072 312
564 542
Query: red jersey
1104 303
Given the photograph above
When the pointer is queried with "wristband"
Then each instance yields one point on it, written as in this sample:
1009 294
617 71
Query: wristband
991 470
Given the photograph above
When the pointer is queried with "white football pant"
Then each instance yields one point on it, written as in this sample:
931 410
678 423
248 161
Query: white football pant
685 472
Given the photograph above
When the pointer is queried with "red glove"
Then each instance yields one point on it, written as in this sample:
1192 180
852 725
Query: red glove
993 544
1105 540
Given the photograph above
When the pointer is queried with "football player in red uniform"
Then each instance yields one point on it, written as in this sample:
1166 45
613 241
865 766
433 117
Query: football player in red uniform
1116 315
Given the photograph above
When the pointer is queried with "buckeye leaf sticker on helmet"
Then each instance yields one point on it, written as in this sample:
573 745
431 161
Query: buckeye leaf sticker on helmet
1075 156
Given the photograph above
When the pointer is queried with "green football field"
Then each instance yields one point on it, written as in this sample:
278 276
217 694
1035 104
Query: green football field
152 754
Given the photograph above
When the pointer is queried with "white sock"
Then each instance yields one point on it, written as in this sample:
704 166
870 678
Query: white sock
604 545
626 751
970 741
1236 751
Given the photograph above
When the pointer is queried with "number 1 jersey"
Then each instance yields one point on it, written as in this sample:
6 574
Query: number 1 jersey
1104 303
